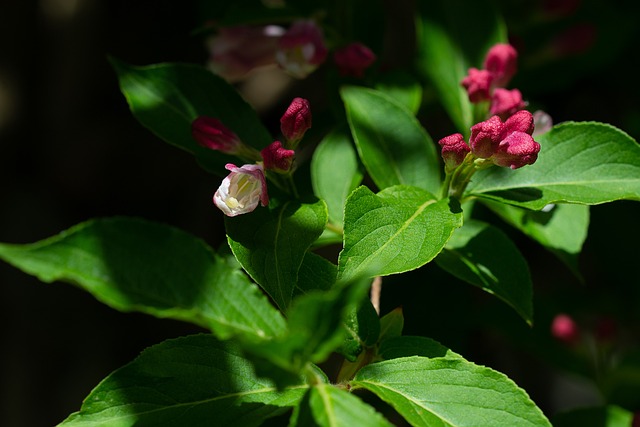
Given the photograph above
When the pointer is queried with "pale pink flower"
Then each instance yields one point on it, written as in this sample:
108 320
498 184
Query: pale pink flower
301 49
242 190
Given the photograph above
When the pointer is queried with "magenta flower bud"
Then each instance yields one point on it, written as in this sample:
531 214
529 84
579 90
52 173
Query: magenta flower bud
353 59
301 49
565 329
478 85
454 150
485 137
235 51
505 102
242 190
517 149
211 133
296 120
502 62
507 144
277 158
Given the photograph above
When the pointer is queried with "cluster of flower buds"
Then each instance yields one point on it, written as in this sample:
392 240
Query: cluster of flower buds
298 50
246 187
488 84
507 144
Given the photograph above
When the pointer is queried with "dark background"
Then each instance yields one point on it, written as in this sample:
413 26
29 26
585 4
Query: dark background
70 150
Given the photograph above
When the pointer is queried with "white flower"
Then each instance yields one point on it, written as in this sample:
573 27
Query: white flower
242 190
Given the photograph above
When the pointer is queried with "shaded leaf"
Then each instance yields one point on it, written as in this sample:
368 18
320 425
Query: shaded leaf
393 146
271 244
484 256
135 265
405 346
190 381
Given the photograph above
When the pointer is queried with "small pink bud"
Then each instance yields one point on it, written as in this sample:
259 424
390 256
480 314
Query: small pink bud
301 49
485 137
506 102
502 62
565 329
296 120
478 84
516 150
277 158
353 59
242 190
211 133
454 150
507 144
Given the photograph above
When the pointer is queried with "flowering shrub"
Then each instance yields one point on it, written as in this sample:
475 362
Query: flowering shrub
281 305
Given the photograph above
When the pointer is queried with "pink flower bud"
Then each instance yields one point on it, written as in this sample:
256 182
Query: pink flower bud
235 51
507 144
565 329
506 102
502 62
353 59
211 133
301 49
277 158
242 190
454 150
478 84
296 120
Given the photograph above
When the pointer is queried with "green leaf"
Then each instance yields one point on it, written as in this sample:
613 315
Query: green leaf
484 256
562 229
405 346
325 405
399 229
189 381
363 330
316 273
393 146
315 330
607 416
449 391
391 324
586 163
452 36
335 172
166 98
271 244
402 87
135 265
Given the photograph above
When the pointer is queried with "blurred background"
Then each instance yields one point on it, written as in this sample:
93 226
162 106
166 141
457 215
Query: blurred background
70 150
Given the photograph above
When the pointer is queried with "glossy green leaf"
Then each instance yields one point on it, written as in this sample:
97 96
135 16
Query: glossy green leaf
402 87
328 406
166 98
397 230
271 244
607 416
452 36
136 265
484 256
393 146
585 163
449 392
315 273
335 172
189 381
363 330
561 228
406 346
